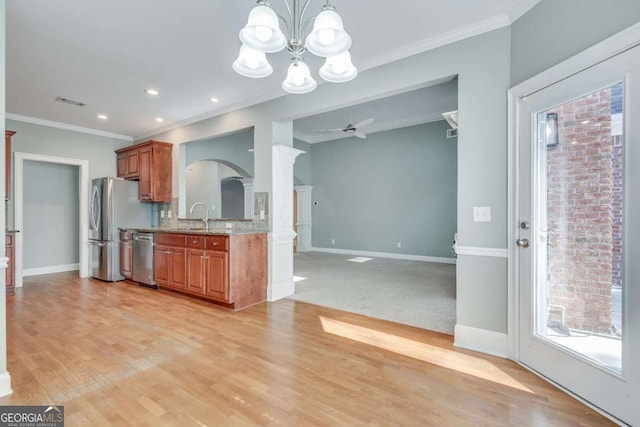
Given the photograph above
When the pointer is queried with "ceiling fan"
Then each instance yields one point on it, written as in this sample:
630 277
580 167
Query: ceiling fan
351 128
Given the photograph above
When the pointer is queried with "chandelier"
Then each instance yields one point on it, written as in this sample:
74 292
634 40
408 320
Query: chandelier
327 39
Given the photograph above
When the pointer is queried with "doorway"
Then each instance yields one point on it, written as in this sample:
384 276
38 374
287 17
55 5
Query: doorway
575 271
83 212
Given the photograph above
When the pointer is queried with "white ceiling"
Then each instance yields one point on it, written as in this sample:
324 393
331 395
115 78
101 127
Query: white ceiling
105 53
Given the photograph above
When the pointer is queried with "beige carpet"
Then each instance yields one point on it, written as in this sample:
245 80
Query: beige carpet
416 293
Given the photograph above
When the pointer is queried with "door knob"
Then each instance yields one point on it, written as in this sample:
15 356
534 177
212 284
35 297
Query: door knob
523 243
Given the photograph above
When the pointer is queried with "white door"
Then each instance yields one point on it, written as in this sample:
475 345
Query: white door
579 234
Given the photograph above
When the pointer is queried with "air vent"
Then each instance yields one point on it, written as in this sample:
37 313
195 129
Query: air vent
70 102
452 133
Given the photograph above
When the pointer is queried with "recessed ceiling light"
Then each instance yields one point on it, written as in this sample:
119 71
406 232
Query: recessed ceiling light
214 100
151 92
159 119
102 116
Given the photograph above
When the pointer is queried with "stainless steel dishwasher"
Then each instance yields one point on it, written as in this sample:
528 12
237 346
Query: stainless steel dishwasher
143 259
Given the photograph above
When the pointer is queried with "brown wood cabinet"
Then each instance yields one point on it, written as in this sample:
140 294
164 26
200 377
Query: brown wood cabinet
10 253
8 134
128 164
126 254
231 270
169 261
150 163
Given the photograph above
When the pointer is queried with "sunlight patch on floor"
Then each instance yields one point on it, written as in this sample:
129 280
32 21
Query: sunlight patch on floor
449 359
298 279
359 259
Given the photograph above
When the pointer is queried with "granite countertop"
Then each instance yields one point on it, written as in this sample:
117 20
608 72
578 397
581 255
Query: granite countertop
211 231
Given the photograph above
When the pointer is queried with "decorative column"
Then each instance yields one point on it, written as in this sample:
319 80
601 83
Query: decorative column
247 183
304 217
281 283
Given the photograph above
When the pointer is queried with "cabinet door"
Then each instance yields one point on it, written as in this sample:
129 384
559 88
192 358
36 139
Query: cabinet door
126 259
133 163
196 268
145 173
217 275
161 265
10 266
121 160
177 268
8 134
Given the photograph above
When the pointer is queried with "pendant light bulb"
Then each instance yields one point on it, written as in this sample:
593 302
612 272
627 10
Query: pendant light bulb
263 33
326 36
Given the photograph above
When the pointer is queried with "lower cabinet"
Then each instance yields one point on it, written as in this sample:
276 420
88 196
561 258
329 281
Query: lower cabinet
169 257
227 269
10 253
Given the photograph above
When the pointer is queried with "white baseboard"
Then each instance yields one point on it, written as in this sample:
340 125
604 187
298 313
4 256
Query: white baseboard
482 340
51 269
407 257
5 384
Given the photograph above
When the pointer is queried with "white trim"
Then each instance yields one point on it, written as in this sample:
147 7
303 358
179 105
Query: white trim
575 396
4 262
50 270
83 214
479 251
482 340
468 31
5 384
58 125
407 257
589 57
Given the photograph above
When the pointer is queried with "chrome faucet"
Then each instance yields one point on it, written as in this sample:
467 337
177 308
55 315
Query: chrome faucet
206 213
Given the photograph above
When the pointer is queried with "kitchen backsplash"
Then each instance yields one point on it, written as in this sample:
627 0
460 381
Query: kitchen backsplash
260 221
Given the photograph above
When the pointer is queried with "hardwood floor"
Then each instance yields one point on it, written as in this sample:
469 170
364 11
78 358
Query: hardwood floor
117 354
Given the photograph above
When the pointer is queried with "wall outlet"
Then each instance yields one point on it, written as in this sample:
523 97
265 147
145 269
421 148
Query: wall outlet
333 241
169 214
228 225
162 214
399 244
262 214
482 214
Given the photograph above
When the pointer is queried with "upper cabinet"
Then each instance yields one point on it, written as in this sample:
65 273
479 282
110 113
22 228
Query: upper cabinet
7 163
150 163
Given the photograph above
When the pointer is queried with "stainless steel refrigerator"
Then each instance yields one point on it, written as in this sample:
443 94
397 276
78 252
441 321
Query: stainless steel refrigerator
113 204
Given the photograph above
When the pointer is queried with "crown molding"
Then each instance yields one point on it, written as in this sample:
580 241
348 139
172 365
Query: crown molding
58 125
468 31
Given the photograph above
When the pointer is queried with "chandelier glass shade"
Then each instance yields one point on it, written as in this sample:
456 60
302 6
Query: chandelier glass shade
327 39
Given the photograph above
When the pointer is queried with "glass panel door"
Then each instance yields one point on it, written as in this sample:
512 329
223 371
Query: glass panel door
579 203
578 181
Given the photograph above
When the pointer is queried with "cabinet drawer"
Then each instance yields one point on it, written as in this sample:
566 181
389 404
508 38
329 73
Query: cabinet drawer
197 242
217 243
170 239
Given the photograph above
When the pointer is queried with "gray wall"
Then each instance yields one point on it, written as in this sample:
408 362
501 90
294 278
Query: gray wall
37 139
232 198
51 203
555 30
302 166
232 148
395 186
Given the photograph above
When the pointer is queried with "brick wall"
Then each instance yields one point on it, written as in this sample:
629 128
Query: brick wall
584 216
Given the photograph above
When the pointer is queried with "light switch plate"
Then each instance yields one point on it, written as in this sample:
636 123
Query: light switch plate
482 214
